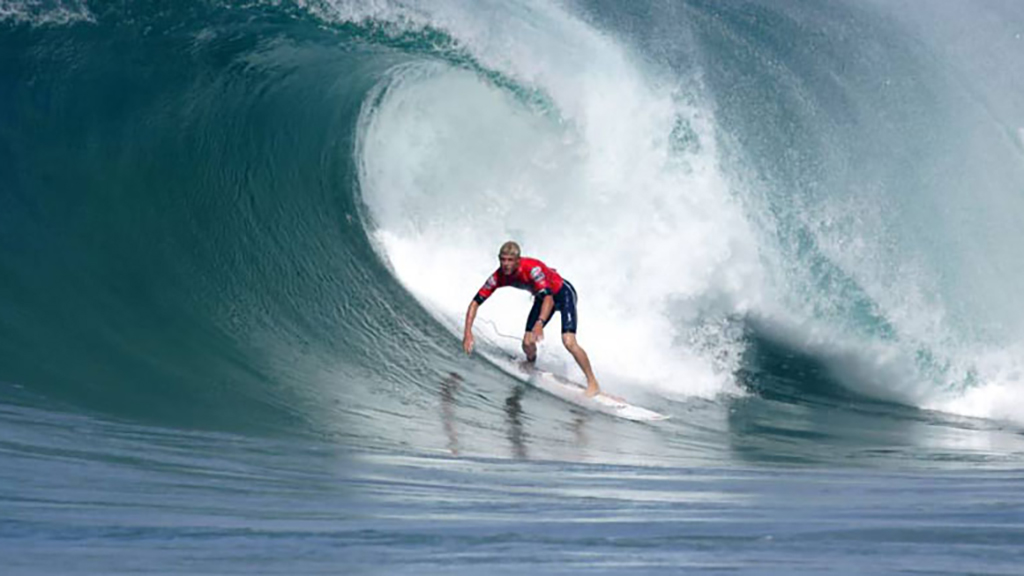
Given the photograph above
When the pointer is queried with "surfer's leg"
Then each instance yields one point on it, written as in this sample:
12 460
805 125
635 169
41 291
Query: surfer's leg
577 351
565 302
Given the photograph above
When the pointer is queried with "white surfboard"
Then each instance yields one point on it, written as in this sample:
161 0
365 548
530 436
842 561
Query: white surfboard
575 393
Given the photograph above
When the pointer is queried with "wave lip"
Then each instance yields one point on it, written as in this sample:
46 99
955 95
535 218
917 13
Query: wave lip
45 12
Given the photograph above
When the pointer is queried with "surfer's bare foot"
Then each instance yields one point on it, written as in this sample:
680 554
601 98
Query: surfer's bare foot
592 390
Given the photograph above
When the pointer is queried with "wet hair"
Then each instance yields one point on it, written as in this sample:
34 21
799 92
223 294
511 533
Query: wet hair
510 248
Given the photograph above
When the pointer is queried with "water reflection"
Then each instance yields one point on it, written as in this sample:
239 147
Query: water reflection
450 386
579 429
514 417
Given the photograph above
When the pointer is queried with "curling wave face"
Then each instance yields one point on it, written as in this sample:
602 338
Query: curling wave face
271 216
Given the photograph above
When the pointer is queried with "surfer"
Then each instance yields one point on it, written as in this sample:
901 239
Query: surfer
550 291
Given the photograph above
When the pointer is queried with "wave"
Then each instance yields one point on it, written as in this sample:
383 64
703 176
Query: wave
272 215
667 191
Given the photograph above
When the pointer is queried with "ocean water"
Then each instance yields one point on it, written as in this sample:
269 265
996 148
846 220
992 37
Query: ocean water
237 240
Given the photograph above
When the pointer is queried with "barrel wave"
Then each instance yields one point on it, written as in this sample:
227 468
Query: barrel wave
276 212
794 227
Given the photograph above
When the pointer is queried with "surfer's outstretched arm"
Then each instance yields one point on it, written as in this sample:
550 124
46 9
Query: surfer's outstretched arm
536 333
467 336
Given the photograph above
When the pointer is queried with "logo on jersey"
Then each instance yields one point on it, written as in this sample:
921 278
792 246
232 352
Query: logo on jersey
491 283
537 274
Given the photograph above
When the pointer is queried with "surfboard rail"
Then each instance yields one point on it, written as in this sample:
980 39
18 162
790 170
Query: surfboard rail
575 393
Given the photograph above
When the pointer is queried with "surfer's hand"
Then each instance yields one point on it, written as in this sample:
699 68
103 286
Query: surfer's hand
467 343
538 333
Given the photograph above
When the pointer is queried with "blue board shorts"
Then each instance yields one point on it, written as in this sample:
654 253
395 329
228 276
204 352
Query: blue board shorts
565 302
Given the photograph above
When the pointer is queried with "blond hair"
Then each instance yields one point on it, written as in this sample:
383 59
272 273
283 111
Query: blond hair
509 248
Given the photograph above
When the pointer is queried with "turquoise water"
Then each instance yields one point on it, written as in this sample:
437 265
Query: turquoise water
237 241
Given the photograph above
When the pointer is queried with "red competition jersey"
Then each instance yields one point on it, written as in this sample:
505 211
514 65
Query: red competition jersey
533 275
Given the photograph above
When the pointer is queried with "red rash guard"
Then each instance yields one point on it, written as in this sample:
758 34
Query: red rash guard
532 275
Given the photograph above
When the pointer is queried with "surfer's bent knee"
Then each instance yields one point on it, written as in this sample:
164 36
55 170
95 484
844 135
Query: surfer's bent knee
569 339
